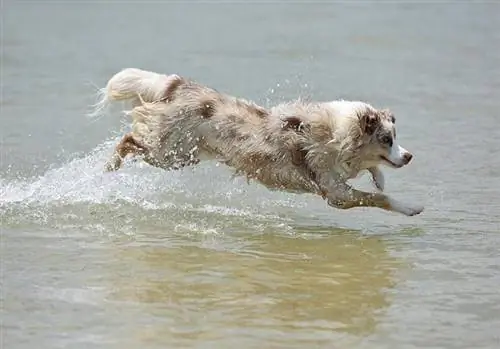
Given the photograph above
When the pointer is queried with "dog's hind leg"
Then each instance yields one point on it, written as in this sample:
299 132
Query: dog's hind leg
128 145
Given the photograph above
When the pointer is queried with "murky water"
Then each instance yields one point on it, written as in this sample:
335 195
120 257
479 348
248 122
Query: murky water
143 258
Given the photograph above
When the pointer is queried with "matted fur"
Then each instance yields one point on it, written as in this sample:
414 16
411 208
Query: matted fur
299 146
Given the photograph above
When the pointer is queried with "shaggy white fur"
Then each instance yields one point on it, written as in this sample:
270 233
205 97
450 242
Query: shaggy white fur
305 147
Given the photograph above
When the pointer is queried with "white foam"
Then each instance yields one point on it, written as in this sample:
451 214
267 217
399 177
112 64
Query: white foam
79 192
83 180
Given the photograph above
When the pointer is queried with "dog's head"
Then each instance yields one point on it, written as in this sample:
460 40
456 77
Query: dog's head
379 135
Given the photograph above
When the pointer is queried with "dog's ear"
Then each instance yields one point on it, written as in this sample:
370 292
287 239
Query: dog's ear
369 122
388 114
294 123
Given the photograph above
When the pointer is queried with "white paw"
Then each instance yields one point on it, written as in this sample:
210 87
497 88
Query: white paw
408 210
414 210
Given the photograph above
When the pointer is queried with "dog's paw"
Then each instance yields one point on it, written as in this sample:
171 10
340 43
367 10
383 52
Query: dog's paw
408 210
108 167
113 164
413 211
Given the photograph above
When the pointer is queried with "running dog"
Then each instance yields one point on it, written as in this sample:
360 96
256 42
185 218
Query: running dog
298 146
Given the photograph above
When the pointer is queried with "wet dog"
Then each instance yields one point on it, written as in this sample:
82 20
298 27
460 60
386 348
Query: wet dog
298 146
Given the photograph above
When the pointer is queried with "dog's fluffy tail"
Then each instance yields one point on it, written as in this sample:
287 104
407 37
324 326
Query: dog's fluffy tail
130 85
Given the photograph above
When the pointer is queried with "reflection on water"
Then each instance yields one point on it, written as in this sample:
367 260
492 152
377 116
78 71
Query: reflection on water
308 287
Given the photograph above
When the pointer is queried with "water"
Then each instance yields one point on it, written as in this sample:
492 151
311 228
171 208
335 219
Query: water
143 258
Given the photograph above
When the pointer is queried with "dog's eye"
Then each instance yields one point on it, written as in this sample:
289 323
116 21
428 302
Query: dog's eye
387 140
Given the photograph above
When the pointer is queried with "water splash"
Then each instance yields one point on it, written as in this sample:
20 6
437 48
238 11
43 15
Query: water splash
80 194
80 180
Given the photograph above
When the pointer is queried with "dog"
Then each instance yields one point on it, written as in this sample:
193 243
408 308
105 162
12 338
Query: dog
296 146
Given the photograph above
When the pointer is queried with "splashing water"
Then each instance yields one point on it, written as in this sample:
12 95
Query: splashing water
80 180
80 193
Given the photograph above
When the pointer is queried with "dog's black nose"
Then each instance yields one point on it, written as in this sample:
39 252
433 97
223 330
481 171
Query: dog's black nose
408 157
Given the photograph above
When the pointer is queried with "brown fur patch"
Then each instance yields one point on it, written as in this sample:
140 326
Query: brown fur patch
369 122
293 122
207 108
169 94
298 156
128 145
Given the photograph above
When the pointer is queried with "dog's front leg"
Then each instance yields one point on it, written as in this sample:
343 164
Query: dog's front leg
344 196
377 178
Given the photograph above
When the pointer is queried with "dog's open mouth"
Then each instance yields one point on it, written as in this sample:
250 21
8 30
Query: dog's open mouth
390 163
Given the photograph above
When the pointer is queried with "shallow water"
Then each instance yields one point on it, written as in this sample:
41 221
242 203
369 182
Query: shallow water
146 258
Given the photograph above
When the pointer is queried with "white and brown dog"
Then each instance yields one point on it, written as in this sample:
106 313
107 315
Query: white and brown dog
302 147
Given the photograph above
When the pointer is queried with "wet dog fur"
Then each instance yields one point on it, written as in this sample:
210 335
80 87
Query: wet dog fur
299 146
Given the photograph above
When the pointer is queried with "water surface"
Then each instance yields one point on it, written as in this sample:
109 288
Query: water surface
142 258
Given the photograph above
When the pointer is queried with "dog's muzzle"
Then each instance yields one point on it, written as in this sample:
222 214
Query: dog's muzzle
398 157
